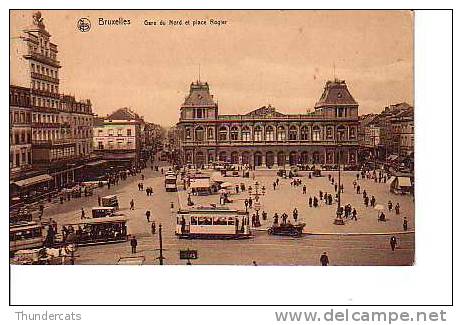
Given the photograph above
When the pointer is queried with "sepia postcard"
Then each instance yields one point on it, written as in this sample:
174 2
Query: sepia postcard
209 137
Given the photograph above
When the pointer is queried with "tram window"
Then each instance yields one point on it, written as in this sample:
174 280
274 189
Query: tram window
208 221
201 221
193 220
230 221
219 221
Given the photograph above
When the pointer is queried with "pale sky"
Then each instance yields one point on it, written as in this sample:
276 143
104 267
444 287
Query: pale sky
282 58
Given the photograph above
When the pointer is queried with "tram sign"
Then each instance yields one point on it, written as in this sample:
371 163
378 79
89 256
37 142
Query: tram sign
187 254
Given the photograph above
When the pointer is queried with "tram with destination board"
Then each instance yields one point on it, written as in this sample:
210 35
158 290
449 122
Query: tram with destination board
170 182
212 222
26 235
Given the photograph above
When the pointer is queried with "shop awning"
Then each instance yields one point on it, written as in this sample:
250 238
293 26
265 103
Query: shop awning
33 180
200 183
96 163
404 182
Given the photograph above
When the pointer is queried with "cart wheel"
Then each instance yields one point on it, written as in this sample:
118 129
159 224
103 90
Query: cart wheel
270 231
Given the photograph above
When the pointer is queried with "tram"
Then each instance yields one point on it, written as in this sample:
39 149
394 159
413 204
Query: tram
26 235
212 223
102 230
170 182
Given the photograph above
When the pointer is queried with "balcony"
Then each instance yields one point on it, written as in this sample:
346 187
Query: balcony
44 109
42 58
45 93
45 125
40 76
54 142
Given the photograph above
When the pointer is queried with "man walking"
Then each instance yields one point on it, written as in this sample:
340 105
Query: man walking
133 244
405 224
324 259
148 215
132 205
393 243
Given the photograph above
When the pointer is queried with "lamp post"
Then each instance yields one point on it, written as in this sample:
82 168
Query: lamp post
338 219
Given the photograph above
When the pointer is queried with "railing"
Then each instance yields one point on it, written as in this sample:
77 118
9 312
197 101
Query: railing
42 58
45 93
53 142
40 76
275 143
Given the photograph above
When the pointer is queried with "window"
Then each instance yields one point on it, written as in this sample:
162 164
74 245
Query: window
341 133
293 133
281 133
269 133
257 133
245 133
223 133
110 132
329 132
316 133
353 133
210 133
234 133
199 134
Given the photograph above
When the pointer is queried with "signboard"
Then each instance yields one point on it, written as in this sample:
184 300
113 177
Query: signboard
187 254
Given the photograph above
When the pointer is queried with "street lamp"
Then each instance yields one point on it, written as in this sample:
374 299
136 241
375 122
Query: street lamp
338 219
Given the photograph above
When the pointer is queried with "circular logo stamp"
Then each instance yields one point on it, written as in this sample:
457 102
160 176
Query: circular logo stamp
83 25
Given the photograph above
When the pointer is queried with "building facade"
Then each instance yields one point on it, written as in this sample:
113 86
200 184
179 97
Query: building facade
60 126
266 137
118 137
20 131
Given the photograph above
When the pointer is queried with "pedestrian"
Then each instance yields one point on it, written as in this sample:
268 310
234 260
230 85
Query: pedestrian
354 215
405 224
335 187
397 208
42 208
366 201
274 186
315 202
132 205
341 188
390 206
284 218
133 244
373 201
393 243
276 219
358 189
99 200
320 195
237 189
246 203
264 215
82 215
304 189
142 177
147 191
310 202
324 259
295 215
250 202
253 220
148 215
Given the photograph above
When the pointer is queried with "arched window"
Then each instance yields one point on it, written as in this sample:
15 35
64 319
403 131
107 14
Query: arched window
223 133
293 133
316 133
210 133
281 133
257 133
199 134
234 133
187 133
245 133
330 132
304 133
269 133
352 133
341 133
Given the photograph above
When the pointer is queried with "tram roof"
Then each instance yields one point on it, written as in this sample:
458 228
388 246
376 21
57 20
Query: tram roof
211 210
25 226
